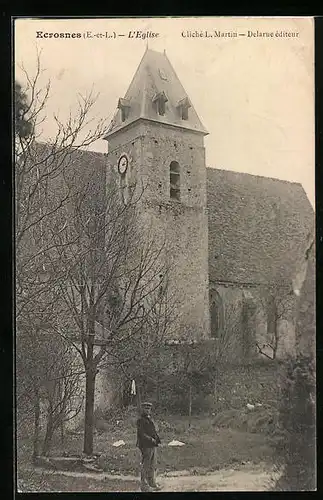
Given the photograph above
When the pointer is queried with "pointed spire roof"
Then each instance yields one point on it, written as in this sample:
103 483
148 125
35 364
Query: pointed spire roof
155 79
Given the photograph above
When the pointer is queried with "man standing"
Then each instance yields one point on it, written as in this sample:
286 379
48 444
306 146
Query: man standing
147 441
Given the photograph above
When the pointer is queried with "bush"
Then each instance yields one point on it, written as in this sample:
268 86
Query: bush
295 446
260 420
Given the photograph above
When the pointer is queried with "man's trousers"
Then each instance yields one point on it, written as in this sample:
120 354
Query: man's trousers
148 467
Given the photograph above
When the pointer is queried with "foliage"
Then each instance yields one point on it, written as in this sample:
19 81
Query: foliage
295 448
23 124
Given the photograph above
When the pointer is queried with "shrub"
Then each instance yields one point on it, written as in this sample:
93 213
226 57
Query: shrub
295 446
260 420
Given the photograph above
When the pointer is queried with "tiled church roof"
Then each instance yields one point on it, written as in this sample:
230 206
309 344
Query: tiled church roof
258 227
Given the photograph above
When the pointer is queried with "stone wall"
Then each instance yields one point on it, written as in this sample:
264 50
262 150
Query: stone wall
107 389
252 383
233 385
151 148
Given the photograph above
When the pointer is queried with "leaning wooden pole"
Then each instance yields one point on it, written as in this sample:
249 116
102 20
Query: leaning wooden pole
138 398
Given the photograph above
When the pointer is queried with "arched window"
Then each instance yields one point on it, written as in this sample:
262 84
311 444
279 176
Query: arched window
174 178
125 188
216 313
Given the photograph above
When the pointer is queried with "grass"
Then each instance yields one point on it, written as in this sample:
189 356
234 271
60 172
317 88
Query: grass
210 451
207 448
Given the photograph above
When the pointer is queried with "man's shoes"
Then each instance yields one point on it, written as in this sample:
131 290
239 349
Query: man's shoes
156 487
147 488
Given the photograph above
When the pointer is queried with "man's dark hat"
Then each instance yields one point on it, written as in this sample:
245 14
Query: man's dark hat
146 404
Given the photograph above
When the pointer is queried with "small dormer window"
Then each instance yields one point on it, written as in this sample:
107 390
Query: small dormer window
161 107
124 106
184 112
183 107
123 114
159 100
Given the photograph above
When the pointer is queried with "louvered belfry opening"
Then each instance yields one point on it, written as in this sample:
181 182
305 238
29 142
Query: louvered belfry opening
175 185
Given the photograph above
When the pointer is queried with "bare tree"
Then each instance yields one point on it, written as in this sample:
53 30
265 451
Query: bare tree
41 197
279 303
113 283
77 247
140 360
63 392
35 360
198 365
48 379
227 347
39 168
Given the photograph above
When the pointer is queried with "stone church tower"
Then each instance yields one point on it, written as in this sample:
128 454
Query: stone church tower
157 136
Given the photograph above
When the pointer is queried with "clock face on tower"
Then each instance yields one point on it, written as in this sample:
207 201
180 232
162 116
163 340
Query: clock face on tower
123 164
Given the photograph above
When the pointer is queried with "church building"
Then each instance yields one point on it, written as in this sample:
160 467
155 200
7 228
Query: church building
237 239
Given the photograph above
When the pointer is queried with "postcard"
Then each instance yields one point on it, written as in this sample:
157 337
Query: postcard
165 254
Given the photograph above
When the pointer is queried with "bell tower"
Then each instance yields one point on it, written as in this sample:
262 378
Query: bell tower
156 135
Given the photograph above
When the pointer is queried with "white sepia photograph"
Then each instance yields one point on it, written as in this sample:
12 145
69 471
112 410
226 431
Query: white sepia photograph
164 197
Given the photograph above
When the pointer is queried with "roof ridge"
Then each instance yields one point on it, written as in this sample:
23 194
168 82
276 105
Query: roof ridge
254 175
99 153
157 51
71 148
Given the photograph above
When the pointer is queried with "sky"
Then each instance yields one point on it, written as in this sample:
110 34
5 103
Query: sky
253 93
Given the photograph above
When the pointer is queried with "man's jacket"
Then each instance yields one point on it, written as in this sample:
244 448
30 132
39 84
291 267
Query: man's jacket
147 436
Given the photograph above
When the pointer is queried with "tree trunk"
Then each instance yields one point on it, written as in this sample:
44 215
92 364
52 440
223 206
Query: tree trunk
36 427
90 375
190 405
157 382
62 430
49 433
276 338
157 391
215 392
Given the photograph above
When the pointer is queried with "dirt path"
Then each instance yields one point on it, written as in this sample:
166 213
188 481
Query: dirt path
225 480
251 478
